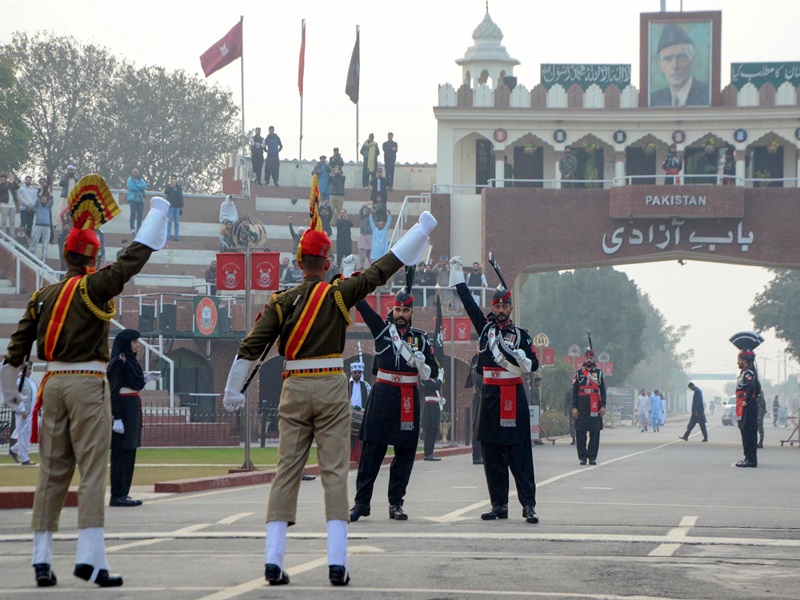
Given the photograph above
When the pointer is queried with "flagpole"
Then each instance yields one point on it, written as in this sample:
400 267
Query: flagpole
358 28
244 131
302 62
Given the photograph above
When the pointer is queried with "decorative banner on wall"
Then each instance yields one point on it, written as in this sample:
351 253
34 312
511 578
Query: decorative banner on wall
586 75
230 271
462 329
387 302
206 316
758 74
264 270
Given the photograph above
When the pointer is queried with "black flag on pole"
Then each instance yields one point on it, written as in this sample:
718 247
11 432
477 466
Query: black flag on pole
354 71
438 340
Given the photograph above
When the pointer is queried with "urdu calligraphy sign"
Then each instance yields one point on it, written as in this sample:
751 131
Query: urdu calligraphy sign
673 236
758 74
586 75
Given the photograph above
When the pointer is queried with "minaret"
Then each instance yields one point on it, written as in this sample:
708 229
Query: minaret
487 60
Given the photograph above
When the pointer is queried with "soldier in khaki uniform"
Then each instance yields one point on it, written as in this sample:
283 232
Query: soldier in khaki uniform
69 322
310 322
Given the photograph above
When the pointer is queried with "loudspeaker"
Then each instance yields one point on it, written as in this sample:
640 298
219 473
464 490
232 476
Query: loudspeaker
168 320
510 81
147 323
223 325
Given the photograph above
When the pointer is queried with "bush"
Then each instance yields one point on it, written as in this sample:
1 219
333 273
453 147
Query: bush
554 422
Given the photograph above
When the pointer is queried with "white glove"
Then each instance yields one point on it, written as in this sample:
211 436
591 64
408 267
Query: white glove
442 402
153 232
118 426
152 376
234 398
349 265
456 271
522 360
418 361
427 222
8 385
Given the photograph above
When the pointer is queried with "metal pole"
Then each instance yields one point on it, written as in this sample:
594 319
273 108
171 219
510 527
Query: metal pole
247 464
241 61
452 379
303 41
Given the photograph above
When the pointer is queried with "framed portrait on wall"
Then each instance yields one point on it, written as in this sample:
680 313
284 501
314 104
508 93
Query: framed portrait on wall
680 59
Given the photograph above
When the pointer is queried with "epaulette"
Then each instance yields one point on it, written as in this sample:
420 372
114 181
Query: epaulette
337 297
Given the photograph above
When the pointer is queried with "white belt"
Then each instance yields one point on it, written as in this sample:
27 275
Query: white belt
396 378
432 399
313 363
89 365
125 390
498 374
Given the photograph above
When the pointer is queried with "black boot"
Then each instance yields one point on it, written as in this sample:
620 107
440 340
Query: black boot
44 575
358 511
275 575
529 514
499 511
338 575
397 513
103 579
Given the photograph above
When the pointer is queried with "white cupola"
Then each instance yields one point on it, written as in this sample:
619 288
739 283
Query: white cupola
486 61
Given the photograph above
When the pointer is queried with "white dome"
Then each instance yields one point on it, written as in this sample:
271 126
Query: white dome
487 48
487 30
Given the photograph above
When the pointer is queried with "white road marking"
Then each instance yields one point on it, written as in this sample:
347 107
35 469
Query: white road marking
157 539
233 518
456 515
465 487
596 488
681 531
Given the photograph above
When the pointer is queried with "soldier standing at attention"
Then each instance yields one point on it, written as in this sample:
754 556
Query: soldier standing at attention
588 407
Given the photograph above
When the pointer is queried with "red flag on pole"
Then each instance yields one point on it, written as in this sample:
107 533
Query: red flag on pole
224 52
354 71
301 69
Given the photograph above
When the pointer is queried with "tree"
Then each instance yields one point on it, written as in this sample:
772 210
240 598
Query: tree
167 123
776 308
15 136
104 115
603 301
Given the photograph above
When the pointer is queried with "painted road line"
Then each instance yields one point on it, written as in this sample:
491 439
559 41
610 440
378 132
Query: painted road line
233 518
157 539
681 531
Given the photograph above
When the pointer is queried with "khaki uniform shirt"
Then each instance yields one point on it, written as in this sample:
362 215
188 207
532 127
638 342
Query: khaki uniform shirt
84 336
327 333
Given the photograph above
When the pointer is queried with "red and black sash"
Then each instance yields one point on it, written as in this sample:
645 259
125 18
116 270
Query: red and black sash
307 317
406 394
507 382
592 391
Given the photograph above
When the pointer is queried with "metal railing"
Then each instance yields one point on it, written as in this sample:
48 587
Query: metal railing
45 276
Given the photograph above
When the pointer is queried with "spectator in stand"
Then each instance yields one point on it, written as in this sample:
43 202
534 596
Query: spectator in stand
226 243
364 244
28 197
274 146
296 235
379 185
370 152
257 154
337 191
672 165
21 238
66 227
336 160
42 223
323 172
380 235
66 184
389 158
174 195
379 212
124 246
729 167
211 277
227 210
568 166
285 270
8 203
475 281
344 237
295 273
137 187
325 216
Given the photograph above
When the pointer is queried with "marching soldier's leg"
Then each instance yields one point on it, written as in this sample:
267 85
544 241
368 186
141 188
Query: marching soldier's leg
400 473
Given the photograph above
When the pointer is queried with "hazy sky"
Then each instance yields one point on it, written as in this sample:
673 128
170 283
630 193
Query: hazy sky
407 50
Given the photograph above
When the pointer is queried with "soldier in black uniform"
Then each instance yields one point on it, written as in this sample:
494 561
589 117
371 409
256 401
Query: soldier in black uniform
747 390
475 381
505 354
588 407
403 355
431 414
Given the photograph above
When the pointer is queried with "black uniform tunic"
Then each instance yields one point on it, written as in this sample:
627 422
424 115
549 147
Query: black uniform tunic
585 383
747 389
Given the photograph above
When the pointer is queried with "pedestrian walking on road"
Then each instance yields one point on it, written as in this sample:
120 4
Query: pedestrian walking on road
698 414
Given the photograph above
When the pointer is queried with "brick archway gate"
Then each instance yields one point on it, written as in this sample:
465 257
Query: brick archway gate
537 230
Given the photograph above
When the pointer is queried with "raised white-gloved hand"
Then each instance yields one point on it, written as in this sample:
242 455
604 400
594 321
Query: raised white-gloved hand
349 265
410 248
234 398
153 232
427 222
456 271
8 385
522 360
418 362
118 426
442 402
152 376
